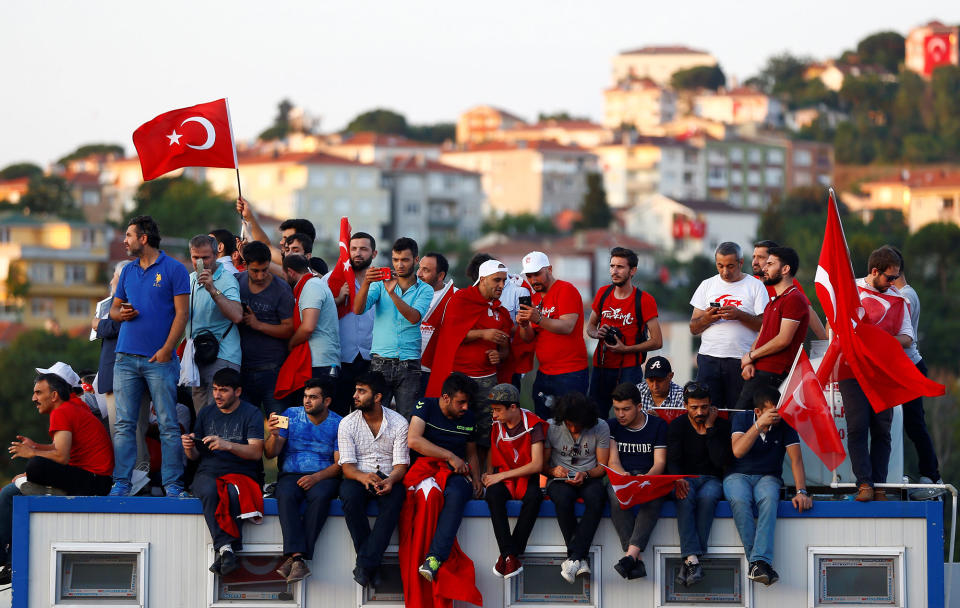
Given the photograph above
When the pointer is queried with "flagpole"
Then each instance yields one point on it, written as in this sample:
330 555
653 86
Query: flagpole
236 165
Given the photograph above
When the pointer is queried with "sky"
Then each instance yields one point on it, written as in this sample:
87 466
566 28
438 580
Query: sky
84 72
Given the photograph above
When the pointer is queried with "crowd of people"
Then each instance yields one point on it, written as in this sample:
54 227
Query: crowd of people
400 389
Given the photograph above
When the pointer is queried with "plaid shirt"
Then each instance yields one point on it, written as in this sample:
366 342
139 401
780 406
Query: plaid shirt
381 453
674 397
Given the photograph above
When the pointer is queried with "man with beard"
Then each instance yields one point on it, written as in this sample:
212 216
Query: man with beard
374 458
309 472
433 271
784 327
400 301
555 322
761 249
302 244
624 321
474 339
228 442
356 331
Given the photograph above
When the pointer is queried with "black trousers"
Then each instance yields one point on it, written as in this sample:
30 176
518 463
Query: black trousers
72 480
915 426
497 497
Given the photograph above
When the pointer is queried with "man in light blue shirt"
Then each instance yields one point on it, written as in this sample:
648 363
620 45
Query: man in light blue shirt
401 301
318 318
215 308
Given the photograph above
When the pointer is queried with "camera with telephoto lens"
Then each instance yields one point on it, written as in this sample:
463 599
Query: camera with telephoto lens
613 333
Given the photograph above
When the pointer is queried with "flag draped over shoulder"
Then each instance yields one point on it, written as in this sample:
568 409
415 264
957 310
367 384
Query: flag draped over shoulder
298 366
632 490
342 272
198 136
803 406
876 359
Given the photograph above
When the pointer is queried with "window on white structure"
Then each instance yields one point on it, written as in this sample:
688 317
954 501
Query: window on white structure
94 574
540 583
256 582
724 581
863 577
388 591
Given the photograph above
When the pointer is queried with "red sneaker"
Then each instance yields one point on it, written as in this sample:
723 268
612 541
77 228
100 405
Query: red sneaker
500 567
512 567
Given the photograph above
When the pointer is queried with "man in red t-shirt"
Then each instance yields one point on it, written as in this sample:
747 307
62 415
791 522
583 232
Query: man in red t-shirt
785 321
625 330
555 321
761 250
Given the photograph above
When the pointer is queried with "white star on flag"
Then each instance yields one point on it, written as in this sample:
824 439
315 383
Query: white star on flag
174 137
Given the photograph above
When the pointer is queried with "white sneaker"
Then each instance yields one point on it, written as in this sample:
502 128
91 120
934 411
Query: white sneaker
584 567
569 569
927 493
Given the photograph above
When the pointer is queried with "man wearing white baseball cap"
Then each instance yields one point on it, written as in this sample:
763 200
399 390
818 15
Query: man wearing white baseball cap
555 322
64 371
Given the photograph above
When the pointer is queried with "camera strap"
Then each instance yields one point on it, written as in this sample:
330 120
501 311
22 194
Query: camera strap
642 333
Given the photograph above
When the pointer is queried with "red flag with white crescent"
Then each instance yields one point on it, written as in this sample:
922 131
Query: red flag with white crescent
937 51
198 136
803 406
342 272
632 490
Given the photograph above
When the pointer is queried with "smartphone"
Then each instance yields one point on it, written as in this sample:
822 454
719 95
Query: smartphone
385 274
283 422
571 475
525 300
126 305
246 308
199 266
715 304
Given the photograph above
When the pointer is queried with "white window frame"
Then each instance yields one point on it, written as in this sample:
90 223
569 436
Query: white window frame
662 553
139 549
596 574
255 549
362 600
897 553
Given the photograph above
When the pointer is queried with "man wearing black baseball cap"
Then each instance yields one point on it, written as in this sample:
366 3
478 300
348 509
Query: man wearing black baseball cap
658 388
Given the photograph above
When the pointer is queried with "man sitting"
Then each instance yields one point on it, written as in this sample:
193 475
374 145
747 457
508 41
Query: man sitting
759 441
78 462
228 442
697 444
638 446
658 388
306 443
514 464
374 457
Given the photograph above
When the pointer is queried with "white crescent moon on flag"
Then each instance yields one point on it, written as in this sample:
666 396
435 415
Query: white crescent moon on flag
211 132
937 48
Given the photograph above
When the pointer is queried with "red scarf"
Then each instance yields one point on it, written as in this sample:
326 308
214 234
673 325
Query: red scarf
456 579
298 368
509 453
435 317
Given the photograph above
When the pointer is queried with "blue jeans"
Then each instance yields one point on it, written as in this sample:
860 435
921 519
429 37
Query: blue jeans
744 492
456 495
132 375
603 381
722 375
402 382
300 532
695 514
7 495
556 386
370 544
258 387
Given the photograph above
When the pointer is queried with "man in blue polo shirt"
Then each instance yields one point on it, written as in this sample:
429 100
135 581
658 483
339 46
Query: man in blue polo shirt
401 302
151 303
760 439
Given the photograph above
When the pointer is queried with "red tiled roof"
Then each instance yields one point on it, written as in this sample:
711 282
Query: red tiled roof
632 82
502 146
9 331
501 111
415 164
570 125
82 178
369 138
665 50
583 242
919 179
302 158
15 183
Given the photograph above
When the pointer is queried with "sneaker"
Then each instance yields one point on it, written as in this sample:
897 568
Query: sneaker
584 567
6 574
215 566
139 479
625 566
757 573
284 569
864 493
879 494
681 578
569 569
499 567
771 575
298 571
228 562
359 575
120 488
175 490
428 569
694 573
927 493
28 488
640 571
512 566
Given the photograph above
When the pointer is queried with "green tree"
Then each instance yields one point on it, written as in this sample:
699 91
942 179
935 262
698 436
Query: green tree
93 150
560 115
281 123
17 283
523 223
184 208
18 170
700 77
437 133
379 121
595 212
782 75
885 49
50 194
946 108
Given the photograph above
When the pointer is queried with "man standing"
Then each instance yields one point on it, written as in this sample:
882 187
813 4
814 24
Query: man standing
783 329
887 309
228 442
513 289
151 302
727 313
638 446
400 301
761 250
309 472
433 271
697 444
658 388
555 321
302 244
318 317
513 473
374 458
624 321
759 441
266 327
214 308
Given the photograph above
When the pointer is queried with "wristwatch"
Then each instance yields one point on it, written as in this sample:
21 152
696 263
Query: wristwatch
217 293
802 491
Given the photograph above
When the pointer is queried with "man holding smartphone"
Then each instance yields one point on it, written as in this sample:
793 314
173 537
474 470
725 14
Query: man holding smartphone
306 439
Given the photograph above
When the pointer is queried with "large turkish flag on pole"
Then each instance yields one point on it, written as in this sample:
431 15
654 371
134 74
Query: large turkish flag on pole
937 51
885 373
803 406
342 272
198 136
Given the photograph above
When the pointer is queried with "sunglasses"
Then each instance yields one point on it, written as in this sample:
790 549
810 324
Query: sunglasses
696 388
891 277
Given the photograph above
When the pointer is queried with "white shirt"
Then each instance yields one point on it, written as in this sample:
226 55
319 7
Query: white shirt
359 446
227 263
913 304
513 288
729 338
427 330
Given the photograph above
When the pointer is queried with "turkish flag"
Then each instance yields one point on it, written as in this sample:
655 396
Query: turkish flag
803 406
342 272
885 373
937 51
632 490
198 136
297 368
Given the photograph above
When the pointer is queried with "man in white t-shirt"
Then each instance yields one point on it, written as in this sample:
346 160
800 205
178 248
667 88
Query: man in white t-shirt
727 315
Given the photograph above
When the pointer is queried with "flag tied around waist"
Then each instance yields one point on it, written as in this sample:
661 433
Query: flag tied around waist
632 490
198 136
342 272
803 406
